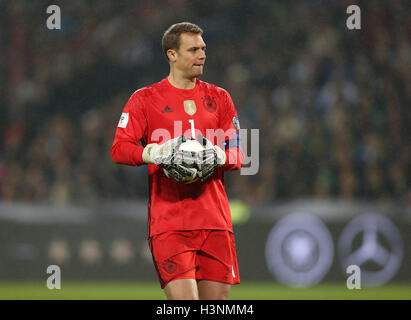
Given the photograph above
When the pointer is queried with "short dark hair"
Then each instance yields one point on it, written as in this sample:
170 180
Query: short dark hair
171 37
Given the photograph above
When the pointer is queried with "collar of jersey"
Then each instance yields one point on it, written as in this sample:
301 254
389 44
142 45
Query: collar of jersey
186 92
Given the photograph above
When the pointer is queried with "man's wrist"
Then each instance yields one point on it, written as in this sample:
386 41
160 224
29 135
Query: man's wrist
148 153
221 156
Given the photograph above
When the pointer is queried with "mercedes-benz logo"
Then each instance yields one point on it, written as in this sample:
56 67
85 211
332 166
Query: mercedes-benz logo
372 242
299 250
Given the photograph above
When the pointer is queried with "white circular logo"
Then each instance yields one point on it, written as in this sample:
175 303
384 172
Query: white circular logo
299 250
372 242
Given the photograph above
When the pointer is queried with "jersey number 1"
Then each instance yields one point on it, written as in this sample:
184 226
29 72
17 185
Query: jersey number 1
193 131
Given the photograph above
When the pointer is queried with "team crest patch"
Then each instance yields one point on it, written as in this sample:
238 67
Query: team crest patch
190 107
209 103
170 266
236 123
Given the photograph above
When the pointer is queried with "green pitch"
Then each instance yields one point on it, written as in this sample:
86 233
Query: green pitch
152 291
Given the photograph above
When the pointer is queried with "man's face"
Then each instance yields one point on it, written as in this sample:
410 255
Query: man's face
190 57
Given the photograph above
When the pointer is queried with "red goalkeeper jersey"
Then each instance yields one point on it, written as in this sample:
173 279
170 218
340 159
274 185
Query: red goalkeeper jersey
160 112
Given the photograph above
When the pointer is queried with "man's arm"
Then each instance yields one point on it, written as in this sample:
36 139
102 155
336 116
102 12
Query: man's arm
124 152
231 125
131 128
229 156
234 154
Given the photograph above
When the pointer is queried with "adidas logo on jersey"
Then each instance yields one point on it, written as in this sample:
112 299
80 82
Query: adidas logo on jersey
167 109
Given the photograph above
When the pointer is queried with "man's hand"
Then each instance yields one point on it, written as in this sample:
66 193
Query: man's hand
168 157
212 156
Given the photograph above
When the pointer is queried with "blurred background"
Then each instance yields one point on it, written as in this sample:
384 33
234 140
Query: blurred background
332 106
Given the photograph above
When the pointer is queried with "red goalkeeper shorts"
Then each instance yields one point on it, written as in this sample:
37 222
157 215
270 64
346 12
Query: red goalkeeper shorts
198 254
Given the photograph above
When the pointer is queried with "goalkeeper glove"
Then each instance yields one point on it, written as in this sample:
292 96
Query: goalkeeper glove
168 157
212 156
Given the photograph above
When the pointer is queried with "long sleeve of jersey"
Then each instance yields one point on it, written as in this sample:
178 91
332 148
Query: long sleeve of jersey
232 145
131 128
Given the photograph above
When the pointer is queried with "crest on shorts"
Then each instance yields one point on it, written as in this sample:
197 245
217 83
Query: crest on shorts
170 266
190 107
209 103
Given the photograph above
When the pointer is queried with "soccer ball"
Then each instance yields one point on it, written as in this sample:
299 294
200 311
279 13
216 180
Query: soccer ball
194 146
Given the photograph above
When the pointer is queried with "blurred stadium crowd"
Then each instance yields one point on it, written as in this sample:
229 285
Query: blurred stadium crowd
333 106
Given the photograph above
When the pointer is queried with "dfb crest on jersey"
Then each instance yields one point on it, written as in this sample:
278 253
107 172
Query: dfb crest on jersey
209 104
190 107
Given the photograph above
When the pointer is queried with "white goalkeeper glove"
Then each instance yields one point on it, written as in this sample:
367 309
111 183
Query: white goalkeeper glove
167 156
212 156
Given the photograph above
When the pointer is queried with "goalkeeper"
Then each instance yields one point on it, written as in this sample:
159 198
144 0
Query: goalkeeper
190 232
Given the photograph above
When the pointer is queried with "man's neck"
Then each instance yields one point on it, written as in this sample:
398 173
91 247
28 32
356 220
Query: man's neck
180 82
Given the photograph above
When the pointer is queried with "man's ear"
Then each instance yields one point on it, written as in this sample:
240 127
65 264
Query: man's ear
172 55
